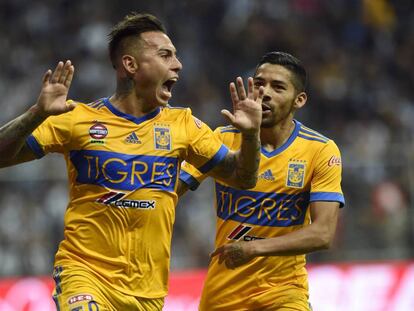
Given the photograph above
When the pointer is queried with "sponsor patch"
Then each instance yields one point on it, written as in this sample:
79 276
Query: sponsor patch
162 138
80 298
115 199
295 175
334 160
98 132
240 234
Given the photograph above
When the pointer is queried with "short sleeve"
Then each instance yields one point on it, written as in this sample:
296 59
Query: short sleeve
326 181
191 175
205 150
52 135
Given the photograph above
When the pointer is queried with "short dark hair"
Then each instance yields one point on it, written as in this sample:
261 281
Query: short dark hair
132 25
291 63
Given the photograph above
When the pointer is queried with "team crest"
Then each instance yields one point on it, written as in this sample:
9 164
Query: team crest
162 138
295 175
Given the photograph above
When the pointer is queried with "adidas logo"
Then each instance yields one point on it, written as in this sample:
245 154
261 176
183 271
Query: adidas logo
267 175
132 139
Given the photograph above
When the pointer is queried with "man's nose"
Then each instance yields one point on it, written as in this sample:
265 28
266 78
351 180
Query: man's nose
177 66
266 97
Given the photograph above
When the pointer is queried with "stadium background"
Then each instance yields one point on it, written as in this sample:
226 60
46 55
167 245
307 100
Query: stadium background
360 59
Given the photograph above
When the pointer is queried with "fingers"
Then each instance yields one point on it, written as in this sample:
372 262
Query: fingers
233 94
240 88
228 115
69 76
57 72
261 94
70 104
63 73
46 77
217 251
239 93
250 88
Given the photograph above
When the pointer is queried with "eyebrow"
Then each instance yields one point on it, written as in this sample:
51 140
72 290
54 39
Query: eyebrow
272 81
170 50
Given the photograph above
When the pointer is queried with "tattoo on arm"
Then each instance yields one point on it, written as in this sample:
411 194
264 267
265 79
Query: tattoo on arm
249 174
226 167
14 133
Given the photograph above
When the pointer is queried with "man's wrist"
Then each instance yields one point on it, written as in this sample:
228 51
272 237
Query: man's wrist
251 135
37 113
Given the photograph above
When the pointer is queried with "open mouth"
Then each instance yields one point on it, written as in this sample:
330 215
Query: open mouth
168 85
265 108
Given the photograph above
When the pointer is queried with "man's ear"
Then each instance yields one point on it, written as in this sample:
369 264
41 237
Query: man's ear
300 100
129 64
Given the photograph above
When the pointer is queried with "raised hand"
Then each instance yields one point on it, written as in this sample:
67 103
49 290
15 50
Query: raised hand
234 254
55 88
247 109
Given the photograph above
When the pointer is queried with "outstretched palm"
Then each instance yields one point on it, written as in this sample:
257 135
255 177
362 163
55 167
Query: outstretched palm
247 110
55 88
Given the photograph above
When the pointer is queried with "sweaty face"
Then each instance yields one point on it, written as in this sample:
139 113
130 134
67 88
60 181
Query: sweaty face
158 68
279 93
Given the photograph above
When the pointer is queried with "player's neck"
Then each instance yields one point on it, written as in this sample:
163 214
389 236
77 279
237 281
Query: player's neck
130 104
274 137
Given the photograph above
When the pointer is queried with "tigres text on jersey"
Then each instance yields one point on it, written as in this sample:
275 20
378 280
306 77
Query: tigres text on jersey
123 173
306 168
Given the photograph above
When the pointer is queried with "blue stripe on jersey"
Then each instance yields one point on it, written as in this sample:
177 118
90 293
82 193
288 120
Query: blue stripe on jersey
229 131
313 133
33 144
55 299
261 208
123 171
312 138
128 116
57 278
218 157
191 182
328 196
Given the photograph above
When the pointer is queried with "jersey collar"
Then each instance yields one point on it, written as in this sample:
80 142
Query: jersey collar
286 144
129 117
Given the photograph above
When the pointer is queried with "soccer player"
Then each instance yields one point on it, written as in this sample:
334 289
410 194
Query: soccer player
123 157
263 234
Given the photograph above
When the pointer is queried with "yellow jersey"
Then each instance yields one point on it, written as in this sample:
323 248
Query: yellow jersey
123 174
306 168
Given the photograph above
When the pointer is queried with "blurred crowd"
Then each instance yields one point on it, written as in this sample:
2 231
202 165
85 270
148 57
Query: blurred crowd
360 58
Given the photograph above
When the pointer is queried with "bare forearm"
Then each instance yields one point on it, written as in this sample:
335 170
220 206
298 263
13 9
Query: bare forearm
247 160
240 168
14 133
303 241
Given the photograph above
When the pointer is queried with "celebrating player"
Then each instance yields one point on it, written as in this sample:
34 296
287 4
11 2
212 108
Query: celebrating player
263 234
123 155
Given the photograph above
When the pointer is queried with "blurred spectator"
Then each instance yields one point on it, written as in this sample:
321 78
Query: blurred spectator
361 65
